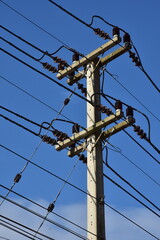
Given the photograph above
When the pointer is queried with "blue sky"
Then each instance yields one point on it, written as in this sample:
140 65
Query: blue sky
141 20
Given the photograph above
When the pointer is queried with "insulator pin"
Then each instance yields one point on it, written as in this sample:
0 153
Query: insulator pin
118 105
75 57
82 158
129 111
115 31
126 38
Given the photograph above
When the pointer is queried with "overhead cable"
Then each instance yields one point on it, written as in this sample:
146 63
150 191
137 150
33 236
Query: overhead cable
53 212
131 195
47 219
8 220
43 74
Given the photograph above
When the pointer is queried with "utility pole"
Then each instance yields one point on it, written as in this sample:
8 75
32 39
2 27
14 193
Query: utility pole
95 199
93 135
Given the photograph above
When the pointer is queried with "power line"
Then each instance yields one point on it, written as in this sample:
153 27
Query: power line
47 219
131 195
43 74
37 99
52 204
51 35
88 194
49 172
19 175
53 212
21 232
135 165
17 204
24 226
132 95
72 15
4 238
19 125
136 140
141 66
24 118
128 183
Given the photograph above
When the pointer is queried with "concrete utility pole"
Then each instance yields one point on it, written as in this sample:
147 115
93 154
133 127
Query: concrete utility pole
95 204
93 136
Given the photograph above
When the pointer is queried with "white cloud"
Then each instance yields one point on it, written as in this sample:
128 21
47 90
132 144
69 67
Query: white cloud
116 226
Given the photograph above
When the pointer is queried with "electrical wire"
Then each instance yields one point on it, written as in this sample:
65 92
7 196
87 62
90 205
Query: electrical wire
140 67
131 195
24 118
54 213
18 230
47 219
90 195
132 95
56 198
42 29
135 165
25 166
122 215
21 225
36 25
127 182
43 74
19 125
156 160
4 238
37 99
71 14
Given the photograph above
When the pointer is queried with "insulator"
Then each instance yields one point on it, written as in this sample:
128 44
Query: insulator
49 140
109 112
129 111
97 31
104 109
58 133
80 86
115 31
50 207
126 38
55 131
75 128
60 66
118 105
140 132
17 178
65 136
83 90
136 128
131 54
143 135
82 158
49 67
66 101
75 57
101 33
